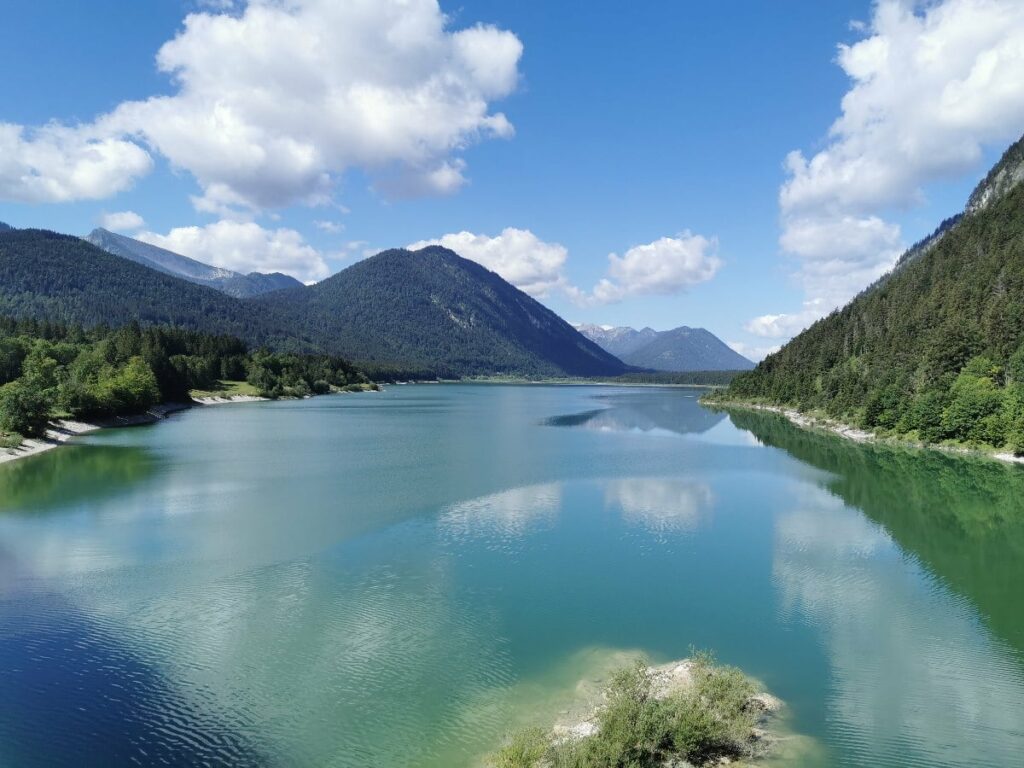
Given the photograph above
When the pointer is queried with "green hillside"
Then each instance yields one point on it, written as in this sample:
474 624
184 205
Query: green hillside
934 351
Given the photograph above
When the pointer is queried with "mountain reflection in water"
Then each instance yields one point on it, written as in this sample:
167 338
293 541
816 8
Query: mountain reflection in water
638 412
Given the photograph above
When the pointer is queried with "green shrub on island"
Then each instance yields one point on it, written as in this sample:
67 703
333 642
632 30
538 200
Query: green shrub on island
710 719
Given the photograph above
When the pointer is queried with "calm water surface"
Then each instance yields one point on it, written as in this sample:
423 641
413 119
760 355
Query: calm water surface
398 579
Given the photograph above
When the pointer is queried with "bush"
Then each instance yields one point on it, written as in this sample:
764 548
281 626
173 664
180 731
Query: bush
707 721
23 410
973 413
524 749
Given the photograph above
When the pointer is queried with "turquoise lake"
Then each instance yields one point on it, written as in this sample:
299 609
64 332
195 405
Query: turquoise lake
399 579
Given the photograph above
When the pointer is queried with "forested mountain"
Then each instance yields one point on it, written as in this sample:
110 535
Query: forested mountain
434 310
5 227
232 283
681 349
420 313
935 350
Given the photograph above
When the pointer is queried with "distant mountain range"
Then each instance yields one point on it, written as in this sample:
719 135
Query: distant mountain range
935 349
232 283
5 227
681 349
415 313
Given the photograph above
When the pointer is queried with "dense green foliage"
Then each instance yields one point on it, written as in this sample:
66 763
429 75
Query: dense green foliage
437 311
47 368
405 315
701 724
934 352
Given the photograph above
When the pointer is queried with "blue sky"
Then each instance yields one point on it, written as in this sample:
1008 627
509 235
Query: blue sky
658 127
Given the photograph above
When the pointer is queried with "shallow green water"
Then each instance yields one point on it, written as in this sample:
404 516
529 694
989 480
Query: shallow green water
397 579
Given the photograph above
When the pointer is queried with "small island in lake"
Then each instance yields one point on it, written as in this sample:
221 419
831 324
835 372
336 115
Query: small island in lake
685 713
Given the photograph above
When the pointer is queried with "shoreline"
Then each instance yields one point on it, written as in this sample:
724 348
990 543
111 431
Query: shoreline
61 431
838 428
570 383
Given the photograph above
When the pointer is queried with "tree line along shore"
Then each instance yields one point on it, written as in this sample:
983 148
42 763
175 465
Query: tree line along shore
50 371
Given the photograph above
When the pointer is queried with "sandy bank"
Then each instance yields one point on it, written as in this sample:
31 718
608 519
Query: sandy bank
225 399
806 421
59 432
62 430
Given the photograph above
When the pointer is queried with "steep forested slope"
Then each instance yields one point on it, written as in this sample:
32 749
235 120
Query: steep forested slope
936 349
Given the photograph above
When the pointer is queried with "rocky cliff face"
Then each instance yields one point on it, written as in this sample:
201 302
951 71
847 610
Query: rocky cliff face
1004 176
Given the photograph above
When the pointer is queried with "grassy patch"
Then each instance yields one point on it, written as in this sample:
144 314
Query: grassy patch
227 389
638 728
9 440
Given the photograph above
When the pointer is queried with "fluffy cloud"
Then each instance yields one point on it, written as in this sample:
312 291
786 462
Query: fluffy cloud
56 164
755 352
273 103
331 227
931 84
840 255
784 325
668 265
518 255
122 221
245 247
929 88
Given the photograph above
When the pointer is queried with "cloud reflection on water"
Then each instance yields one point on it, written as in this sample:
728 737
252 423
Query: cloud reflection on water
915 679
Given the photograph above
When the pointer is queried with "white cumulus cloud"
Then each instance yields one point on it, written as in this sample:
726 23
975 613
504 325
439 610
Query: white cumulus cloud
331 227
931 85
786 324
244 246
518 255
57 164
667 265
273 102
755 352
122 221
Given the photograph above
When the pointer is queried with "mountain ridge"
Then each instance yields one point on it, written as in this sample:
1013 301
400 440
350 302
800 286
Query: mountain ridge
679 350
162 260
